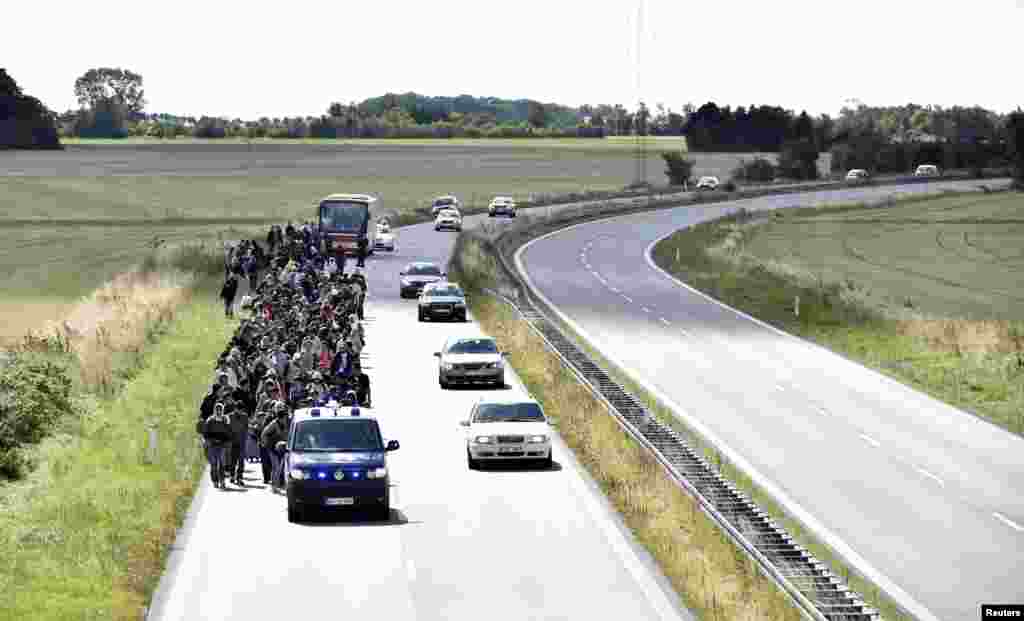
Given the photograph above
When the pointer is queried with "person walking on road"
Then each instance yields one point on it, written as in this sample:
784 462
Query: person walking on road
275 432
239 430
363 243
217 433
227 293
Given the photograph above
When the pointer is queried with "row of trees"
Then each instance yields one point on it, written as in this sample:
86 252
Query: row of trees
25 123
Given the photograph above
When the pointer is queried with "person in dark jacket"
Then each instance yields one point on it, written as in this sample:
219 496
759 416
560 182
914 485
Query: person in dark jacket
227 293
361 381
276 431
363 243
239 429
217 433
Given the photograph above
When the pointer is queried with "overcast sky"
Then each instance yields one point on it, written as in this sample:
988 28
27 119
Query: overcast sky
238 59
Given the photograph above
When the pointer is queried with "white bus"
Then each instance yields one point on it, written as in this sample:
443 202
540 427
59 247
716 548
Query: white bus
344 219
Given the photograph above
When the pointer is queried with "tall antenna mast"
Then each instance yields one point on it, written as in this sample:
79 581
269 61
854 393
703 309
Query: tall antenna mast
641 142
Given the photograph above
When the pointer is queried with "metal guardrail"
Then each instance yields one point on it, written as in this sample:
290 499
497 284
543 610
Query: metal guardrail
818 593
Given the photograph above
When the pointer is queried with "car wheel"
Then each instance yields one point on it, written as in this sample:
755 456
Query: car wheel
512 215
548 463
384 510
500 382
419 316
472 463
294 513
443 384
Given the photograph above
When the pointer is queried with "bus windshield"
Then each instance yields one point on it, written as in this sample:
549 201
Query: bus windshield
343 216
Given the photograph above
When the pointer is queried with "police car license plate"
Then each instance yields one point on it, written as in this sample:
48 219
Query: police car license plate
510 449
340 501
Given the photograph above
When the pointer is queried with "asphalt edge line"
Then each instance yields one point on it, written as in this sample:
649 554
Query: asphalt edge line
792 507
178 549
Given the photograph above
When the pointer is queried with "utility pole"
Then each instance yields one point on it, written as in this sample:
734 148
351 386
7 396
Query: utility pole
641 143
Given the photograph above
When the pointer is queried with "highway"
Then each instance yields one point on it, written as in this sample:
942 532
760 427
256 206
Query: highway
928 500
502 544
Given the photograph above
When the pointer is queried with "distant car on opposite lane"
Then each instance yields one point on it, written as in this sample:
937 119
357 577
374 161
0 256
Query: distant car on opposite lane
927 170
385 239
415 275
507 428
449 219
468 359
708 183
502 205
858 174
442 300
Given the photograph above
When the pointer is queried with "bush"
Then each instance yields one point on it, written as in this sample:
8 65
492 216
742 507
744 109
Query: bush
678 169
34 393
758 170
798 159
209 128
729 186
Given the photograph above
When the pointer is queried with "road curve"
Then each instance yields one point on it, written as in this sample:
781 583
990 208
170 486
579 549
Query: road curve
928 499
502 544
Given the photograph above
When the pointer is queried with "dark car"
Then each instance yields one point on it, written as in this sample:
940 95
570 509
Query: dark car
335 459
415 275
442 300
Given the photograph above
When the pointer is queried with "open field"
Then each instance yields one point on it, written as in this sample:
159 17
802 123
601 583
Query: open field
70 220
926 291
611 143
958 257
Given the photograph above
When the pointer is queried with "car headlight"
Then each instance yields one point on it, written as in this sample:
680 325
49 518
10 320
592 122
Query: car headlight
377 473
299 474
447 366
406 283
482 439
538 439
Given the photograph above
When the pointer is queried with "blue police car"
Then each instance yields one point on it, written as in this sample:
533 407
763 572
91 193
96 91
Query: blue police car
336 458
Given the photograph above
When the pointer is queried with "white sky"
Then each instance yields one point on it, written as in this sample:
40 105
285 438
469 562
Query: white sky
237 59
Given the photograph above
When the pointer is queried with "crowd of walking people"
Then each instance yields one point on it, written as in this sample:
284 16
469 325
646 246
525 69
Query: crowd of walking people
301 345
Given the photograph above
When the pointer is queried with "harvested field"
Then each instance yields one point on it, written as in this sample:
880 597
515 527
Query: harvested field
958 257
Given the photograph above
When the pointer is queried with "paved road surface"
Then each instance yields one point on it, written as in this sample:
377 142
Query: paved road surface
930 497
504 544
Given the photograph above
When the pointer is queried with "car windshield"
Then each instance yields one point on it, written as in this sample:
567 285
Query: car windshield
333 434
445 292
474 346
441 202
343 216
508 412
423 270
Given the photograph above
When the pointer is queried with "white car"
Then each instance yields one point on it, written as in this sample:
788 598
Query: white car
448 219
502 205
507 428
442 202
470 359
927 170
858 174
707 183
385 239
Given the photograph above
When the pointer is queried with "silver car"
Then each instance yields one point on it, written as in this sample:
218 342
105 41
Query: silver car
465 360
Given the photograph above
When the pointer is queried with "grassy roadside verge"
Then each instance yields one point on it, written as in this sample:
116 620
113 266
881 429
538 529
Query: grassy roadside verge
85 536
713 577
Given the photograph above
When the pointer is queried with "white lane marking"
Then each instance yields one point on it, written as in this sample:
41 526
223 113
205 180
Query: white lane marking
930 476
645 309
684 333
1005 520
411 568
627 298
664 321
823 411
871 440
612 289
780 388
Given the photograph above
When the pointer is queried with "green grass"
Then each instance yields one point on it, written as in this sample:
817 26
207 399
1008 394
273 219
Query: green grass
613 143
85 536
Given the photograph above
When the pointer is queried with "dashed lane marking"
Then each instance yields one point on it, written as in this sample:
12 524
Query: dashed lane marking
645 309
871 441
627 298
1005 520
930 476
684 333
780 388
664 321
